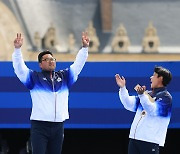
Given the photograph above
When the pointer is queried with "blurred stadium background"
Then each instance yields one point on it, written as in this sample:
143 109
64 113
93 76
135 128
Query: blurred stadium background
128 37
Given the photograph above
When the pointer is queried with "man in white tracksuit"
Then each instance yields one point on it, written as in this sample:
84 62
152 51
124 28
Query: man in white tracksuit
153 112
49 91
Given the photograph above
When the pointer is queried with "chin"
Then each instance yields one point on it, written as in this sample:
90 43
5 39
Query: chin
51 69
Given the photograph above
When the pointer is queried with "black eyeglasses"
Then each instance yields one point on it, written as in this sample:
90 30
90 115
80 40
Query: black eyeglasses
49 59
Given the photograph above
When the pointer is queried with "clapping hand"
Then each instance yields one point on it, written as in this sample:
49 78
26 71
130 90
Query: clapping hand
121 82
140 90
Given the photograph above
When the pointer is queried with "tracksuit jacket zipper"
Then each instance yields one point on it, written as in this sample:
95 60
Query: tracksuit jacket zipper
55 96
143 113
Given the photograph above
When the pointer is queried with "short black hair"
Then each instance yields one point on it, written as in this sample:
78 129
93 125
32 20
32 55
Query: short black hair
165 73
42 54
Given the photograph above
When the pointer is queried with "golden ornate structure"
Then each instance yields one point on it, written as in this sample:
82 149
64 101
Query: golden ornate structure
50 41
94 40
151 41
37 41
120 42
71 43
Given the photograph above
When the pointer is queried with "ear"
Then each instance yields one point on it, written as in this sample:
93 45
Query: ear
161 79
40 65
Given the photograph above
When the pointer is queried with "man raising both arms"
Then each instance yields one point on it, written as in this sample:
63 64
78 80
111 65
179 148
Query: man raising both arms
49 91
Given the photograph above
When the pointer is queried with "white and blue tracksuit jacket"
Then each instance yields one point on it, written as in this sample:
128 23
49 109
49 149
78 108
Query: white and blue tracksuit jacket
49 97
152 125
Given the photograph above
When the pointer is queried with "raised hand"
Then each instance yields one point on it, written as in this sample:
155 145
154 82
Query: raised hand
121 82
85 39
18 42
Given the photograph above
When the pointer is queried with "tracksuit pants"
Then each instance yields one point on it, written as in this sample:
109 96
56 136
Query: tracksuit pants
142 147
46 137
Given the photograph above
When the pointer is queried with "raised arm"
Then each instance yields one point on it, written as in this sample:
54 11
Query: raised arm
129 102
159 107
81 57
19 66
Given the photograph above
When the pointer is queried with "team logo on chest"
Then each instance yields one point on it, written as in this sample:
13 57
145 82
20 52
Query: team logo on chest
59 79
